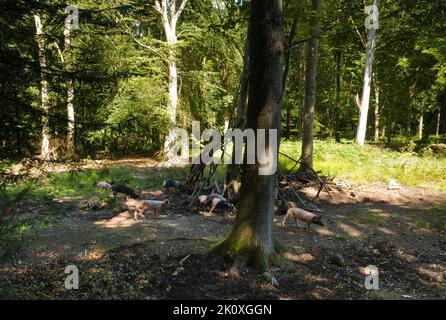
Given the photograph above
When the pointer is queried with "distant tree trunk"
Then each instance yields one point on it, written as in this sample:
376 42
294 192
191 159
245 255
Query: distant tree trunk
421 126
44 150
364 107
310 88
337 111
377 109
286 74
302 72
250 240
70 96
437 131
169 17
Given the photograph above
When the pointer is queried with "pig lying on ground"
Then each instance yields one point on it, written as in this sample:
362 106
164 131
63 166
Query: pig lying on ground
218 203
206 200
305 216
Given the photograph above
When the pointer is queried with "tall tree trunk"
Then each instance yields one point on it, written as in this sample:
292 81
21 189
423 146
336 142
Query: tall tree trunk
364 107
233 174
437 131
169 17
250 240
286 72
310 89
302 72
44 150
337 112
377 110
70 95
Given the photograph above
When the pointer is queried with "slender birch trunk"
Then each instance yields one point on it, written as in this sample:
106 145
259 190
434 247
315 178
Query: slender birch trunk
40 38
421 126
377 110
70 96
169 17
364 103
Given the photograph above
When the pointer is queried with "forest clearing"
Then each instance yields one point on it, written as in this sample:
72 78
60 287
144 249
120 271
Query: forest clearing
223 150
402 231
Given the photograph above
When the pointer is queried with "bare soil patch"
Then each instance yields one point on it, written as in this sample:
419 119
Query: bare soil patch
165 256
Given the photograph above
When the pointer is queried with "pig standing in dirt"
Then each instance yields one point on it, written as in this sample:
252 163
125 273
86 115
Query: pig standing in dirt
122 188
305 216
138 207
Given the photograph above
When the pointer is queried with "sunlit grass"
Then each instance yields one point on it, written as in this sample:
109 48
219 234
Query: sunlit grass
371 163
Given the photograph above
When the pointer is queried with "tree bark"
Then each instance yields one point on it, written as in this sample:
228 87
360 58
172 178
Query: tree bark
421 126
337 112
70 96
437 131
233 174
286 74
302 72
377 110
364 108
250 241
310 89
169 18
40 38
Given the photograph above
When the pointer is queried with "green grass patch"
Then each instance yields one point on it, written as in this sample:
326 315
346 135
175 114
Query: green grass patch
371 163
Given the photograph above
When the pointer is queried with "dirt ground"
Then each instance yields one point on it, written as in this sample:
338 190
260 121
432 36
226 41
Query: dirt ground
402 232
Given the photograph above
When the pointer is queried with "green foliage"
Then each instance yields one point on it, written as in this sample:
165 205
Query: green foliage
372 163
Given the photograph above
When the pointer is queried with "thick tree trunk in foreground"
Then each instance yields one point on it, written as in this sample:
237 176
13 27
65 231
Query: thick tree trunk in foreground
44 150
310 89
250 241
364 106
169 17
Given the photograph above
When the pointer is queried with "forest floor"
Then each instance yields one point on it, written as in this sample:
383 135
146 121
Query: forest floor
402 232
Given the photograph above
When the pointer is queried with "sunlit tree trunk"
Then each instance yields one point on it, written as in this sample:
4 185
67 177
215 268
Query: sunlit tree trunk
310 88
44 150
421 125
377 110
437 131
70 95
169 17
250 240
364 104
